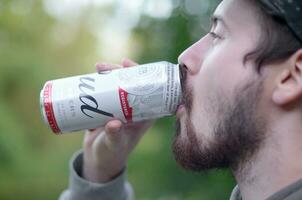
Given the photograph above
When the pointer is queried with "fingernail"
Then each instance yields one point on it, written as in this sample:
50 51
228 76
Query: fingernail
115 130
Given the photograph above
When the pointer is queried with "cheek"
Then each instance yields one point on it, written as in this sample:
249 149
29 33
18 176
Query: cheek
223 69
220 73
202 112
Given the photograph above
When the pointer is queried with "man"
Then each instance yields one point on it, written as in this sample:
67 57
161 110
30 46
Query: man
241 108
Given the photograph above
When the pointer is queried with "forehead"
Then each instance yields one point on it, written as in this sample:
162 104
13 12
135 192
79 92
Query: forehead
238 13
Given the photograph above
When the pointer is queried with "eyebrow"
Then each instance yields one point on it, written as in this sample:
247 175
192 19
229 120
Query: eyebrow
217 18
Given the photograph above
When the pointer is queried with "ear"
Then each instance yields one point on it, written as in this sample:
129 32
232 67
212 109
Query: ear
289 82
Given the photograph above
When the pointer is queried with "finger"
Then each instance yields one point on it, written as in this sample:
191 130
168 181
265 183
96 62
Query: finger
95 130
126 62
141 124
102 66
91 134
113 127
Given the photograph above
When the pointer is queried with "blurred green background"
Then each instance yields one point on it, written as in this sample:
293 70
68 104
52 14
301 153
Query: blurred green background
43 40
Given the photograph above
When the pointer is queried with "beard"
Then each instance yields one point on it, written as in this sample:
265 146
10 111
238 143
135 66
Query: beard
236 131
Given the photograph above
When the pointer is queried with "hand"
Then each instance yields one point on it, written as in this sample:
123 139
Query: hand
106 149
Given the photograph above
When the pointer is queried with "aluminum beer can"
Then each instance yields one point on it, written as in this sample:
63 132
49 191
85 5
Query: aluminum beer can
131 94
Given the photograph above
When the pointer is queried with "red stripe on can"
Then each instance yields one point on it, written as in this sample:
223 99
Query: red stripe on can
127 110
47 101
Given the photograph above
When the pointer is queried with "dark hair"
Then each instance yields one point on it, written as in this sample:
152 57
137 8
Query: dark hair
277 41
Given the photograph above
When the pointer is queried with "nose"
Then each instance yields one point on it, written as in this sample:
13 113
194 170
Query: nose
193 56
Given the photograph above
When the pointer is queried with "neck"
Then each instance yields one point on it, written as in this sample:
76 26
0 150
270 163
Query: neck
276 165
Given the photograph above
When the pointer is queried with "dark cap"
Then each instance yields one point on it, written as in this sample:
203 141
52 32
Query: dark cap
288 10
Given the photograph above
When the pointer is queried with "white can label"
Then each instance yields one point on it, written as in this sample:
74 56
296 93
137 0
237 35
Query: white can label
129 94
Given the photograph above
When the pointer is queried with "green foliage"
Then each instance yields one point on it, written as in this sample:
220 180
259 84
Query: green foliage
35 47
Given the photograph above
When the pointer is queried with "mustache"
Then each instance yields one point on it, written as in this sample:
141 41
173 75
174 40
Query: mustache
183 76
187 92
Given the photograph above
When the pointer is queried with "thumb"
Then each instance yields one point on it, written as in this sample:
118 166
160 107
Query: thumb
113 130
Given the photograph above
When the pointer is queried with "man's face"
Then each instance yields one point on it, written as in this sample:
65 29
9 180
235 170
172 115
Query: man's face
219 124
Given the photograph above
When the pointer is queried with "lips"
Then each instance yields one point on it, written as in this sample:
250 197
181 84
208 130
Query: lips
181 106
180 110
